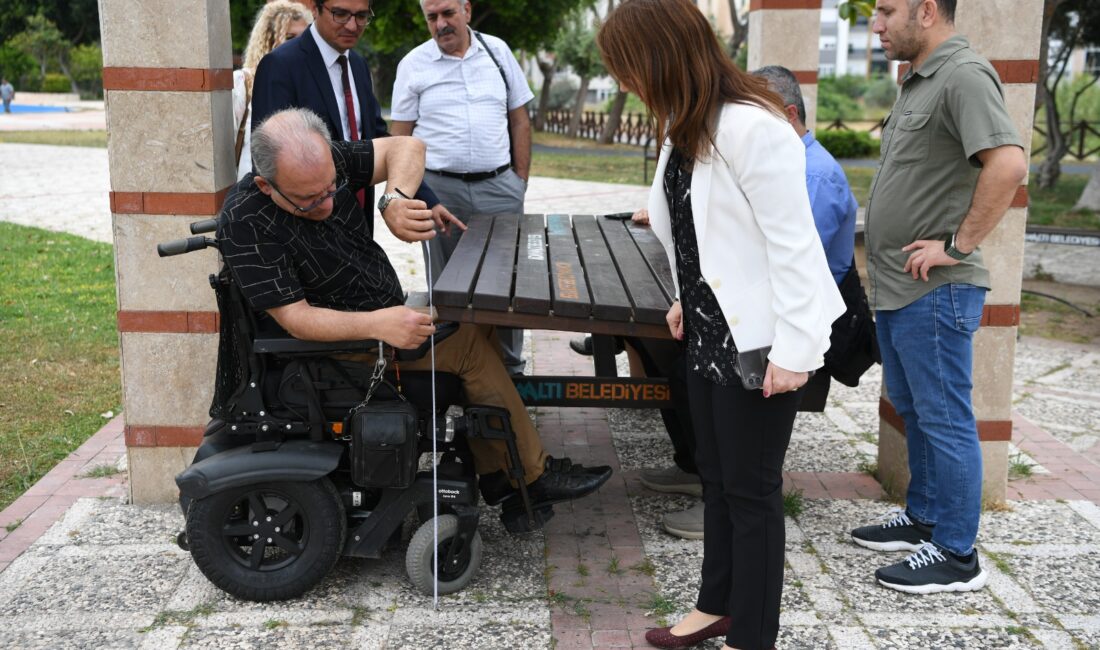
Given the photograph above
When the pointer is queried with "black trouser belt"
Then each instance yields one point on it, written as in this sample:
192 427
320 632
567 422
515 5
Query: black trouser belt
473 177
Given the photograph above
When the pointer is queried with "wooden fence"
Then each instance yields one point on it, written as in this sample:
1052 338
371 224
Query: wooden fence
1084 139
634 128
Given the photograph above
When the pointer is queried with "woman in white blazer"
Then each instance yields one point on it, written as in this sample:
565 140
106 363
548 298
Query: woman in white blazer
729 203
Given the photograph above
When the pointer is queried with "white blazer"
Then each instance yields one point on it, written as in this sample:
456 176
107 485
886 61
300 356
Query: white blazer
758 248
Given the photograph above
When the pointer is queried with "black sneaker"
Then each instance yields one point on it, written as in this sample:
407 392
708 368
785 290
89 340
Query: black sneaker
897 532
561 480
931 570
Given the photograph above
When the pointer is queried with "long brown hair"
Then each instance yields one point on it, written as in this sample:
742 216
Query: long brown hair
667 53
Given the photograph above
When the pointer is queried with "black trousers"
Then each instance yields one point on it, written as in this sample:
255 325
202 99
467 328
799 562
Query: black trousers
666 358
741 440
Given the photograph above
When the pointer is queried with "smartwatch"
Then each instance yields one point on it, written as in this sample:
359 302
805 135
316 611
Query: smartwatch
951 251
385 200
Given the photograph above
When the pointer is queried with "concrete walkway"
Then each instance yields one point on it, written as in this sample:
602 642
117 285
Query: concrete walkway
81 568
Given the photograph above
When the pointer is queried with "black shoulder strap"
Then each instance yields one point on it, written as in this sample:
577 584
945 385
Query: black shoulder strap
507 89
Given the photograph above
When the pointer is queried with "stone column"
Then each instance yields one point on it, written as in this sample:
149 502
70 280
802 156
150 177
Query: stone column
1007 33
786 33
167 78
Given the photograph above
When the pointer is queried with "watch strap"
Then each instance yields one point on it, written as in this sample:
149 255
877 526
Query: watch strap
950 250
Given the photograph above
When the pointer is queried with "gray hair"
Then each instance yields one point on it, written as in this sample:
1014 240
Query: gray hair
289 129
783 82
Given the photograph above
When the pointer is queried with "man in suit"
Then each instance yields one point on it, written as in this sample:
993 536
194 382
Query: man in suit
320 71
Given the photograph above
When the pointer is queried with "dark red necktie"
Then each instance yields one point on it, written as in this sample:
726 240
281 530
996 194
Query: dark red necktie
353 126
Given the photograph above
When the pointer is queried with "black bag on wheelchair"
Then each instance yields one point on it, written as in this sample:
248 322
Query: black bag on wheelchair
383 443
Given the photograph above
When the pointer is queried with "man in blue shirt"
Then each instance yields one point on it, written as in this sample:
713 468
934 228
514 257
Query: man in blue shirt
831 199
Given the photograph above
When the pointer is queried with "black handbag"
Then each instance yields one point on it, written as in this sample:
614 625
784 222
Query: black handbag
853 344
384 435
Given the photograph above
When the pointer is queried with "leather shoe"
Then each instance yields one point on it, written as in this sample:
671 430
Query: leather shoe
561 480
662 637
584 345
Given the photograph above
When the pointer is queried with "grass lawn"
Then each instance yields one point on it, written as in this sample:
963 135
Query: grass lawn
59 361
57 138
1052 207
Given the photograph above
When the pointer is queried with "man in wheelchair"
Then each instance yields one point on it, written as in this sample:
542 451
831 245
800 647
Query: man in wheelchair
300 248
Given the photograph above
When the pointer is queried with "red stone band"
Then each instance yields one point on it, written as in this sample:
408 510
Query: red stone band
140 435
189 203
988 430
1001 316
1011 71
168 322
805 77
756 5
168 79
1021 199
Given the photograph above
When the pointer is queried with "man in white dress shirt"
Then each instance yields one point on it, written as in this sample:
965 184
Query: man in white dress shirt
464 95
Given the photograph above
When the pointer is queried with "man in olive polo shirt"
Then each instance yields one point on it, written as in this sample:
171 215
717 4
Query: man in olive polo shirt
951 163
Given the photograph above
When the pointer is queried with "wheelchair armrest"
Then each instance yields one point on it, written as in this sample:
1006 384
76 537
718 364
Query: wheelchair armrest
285 344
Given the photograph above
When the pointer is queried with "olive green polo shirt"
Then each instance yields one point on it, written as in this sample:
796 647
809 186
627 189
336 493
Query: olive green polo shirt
948 110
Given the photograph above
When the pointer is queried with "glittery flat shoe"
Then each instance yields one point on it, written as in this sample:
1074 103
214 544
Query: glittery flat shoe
662 637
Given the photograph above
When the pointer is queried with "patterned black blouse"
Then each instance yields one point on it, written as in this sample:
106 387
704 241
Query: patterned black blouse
710 347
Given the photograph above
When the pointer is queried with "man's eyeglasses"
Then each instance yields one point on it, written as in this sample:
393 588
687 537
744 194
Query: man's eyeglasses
342 16
302 210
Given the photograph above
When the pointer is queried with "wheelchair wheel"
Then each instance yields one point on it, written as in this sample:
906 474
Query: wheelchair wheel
419 558
268 541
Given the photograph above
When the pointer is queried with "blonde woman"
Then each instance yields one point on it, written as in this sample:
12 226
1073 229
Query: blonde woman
276 23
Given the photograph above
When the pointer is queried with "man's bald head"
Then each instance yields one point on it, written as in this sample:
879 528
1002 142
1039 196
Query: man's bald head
291 136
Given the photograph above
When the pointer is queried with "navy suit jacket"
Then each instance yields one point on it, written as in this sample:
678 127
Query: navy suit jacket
293 75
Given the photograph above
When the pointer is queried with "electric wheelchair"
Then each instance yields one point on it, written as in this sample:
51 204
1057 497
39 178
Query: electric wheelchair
308 458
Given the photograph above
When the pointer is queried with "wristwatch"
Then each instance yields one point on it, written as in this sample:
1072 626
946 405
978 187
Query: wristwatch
385 200
952 252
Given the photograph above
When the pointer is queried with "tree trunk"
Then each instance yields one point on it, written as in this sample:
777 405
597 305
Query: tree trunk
614 118
740 30
65 70
1090 198
1057 145
578 108
548 68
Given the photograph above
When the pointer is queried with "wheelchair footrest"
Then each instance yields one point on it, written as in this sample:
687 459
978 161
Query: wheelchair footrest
516 521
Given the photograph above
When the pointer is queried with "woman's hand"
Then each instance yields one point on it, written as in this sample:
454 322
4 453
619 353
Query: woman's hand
779 380
675 319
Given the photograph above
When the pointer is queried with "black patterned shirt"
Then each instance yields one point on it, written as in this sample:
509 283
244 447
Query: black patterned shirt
279 258
710 347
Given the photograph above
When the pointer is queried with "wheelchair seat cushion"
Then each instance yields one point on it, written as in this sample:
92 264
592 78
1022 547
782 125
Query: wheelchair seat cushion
340 385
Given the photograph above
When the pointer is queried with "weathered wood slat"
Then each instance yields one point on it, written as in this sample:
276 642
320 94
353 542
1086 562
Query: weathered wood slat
568 288
654 254
532 292
650 301
494 282
456 283
609 299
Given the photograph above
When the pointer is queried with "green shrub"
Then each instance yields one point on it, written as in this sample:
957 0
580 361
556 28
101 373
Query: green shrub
86 66
882 93
56 83
847 144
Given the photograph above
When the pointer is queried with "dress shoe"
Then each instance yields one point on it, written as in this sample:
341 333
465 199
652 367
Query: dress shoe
584 345
672 479
687 524
561 480
662 637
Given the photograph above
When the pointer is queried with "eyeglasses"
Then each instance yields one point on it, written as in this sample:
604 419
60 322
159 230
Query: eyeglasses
324 197
342 16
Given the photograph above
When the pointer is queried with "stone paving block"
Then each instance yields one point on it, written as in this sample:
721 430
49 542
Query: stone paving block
904 638
1063 584
91 638
273 635
1029 522
823 456
98 580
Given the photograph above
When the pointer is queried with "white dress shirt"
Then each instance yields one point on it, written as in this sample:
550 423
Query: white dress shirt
459 104
335 72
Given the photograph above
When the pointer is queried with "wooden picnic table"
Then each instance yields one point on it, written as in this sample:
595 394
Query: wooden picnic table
577 273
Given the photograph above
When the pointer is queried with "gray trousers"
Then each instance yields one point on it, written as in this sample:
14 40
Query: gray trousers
499 195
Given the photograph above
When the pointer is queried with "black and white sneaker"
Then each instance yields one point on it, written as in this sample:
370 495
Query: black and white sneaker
932 570
897 532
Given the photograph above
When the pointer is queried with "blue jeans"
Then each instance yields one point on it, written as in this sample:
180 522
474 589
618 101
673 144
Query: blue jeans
927 362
